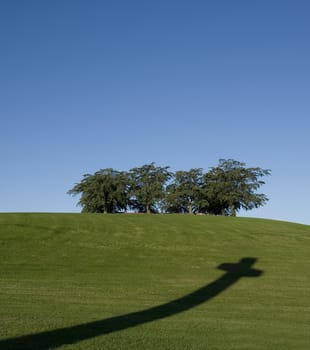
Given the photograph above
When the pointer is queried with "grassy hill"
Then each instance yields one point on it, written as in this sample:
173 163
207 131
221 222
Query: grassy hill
81 281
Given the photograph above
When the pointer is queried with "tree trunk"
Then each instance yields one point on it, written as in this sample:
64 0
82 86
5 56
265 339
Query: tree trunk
190 209
148 211
232 211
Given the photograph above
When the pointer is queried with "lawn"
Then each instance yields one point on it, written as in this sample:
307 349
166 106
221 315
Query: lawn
91 281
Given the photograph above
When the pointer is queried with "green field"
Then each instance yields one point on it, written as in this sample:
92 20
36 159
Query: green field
91 281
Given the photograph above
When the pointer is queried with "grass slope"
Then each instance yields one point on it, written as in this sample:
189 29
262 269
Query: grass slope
76 281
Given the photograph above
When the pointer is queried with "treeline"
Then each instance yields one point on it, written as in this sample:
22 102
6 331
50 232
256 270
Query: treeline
223 190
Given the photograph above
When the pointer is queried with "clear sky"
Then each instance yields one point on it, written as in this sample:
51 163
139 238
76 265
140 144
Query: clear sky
93 84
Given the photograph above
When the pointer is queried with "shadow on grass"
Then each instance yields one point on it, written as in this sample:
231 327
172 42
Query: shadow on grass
70 335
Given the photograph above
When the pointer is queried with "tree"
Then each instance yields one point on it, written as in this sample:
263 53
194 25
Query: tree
231 186
106 191
147 187
184 194
223 190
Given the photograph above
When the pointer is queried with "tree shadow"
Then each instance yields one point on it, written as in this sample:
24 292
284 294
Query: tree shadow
70 335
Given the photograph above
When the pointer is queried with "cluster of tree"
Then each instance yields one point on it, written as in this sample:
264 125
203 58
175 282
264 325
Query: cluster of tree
223 190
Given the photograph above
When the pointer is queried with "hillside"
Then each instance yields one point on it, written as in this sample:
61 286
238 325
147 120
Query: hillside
87 281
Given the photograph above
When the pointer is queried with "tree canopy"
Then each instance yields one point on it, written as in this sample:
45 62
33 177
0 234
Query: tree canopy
184 194
223 190
231 186
106 191
147 187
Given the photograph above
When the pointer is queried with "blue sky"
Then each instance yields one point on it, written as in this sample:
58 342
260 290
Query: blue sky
94 84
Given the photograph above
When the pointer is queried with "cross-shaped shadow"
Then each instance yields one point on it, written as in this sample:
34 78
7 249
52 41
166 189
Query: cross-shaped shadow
70 335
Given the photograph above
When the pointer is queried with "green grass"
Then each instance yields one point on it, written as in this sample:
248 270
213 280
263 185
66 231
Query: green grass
81 281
